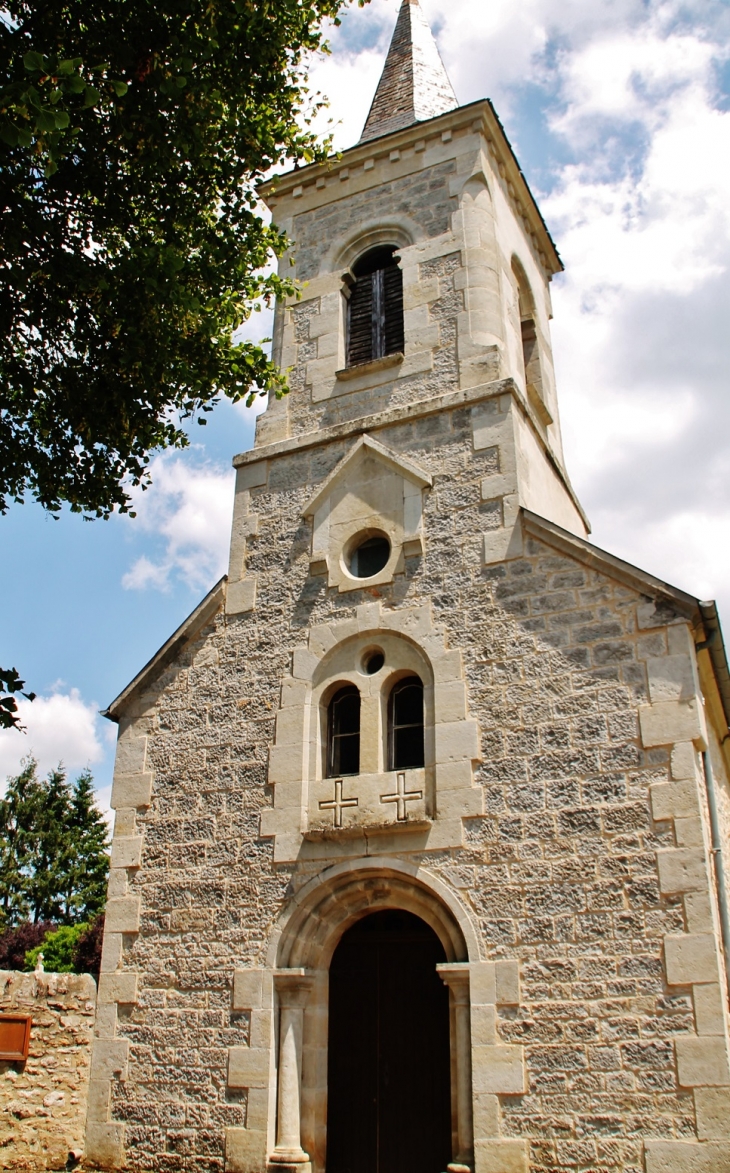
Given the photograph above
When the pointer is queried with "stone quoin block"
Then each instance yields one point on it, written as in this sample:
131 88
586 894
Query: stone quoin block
131 790
118 987
702 1062
122 915
665 722
499 1070
245 1150
686 1157
248 1067
682 870
501 1156
110 1058
691 957
104 1145
712 1105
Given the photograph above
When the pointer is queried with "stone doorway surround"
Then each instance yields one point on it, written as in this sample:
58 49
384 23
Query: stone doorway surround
284 1069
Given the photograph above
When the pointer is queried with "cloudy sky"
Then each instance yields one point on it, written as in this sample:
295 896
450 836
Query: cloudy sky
619 111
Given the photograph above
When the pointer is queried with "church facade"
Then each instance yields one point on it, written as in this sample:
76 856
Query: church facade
416 856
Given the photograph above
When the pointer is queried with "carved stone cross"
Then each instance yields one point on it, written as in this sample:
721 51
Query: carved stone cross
338 803
402 796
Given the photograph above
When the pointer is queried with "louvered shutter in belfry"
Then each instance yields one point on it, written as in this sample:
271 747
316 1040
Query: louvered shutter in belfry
393 307
360 321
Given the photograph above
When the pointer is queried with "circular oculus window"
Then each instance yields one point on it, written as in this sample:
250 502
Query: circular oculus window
369 556
372 661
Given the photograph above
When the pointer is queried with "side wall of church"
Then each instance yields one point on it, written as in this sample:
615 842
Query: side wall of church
587 860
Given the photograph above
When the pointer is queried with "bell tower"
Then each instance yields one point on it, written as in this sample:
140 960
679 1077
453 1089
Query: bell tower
438 186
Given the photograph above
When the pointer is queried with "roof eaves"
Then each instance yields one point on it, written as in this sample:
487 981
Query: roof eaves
715 645
609 564
197 619
526 185
279 184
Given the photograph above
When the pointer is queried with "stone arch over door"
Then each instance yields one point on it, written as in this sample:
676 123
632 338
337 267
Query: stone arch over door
306 938
284 1068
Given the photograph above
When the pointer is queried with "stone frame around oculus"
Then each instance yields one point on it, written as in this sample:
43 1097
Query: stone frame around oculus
419 809
351 504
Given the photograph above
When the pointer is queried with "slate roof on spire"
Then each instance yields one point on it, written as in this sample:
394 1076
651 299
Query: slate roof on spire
414 86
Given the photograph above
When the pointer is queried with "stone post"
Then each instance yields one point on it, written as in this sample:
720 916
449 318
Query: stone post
293 987
456 977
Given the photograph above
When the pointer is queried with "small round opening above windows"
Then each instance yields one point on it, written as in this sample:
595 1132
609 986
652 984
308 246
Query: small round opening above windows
372 661
368 555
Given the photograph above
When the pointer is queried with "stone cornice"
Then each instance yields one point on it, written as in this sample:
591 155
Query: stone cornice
308 183
412 411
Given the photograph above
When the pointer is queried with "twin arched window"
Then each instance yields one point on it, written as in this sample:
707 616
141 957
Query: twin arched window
375 309
405 729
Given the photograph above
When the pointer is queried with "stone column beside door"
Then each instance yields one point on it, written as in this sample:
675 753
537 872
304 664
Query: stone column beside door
293 987
456 977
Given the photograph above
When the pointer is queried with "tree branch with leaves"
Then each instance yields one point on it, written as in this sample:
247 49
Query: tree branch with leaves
10 686
132 245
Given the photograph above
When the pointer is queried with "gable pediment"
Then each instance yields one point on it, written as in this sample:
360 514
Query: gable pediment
372 493
366 446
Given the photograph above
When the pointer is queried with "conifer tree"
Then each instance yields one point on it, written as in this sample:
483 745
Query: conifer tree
53 849
88 865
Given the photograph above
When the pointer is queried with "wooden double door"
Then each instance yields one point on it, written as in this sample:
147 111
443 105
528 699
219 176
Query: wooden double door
389 1094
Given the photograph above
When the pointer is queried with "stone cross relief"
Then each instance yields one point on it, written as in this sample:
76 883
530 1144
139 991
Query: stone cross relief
339 803
402 797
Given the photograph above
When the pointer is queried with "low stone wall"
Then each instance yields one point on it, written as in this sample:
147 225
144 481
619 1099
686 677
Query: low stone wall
43 1101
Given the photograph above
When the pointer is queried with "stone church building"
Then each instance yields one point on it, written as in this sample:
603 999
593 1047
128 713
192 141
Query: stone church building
416 858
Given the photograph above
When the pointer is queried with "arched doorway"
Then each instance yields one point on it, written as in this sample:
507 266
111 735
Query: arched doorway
389 1093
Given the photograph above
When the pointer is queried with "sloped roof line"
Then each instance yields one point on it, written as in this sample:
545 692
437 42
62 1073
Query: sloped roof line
703 614
608 564
414 85
202 614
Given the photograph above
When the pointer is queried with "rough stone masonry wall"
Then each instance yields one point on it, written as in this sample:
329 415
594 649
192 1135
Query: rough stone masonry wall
560 872
43 1101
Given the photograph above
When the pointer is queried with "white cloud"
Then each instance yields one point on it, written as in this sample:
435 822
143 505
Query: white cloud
61 727
640 328
188 513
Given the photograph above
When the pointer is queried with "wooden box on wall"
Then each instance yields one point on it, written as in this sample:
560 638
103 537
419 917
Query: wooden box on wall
14 1037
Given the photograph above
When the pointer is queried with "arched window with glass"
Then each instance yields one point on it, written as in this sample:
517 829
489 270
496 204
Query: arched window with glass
375 308
343 733
406 725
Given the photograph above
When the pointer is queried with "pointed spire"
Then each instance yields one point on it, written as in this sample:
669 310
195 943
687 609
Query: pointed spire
414 86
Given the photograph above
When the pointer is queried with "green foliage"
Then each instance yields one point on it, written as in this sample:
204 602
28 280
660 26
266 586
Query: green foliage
53 849
133 136
10 684
58 949
15 942
87 953
42 109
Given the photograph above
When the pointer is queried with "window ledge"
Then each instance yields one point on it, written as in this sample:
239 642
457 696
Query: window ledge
366 368
364 830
